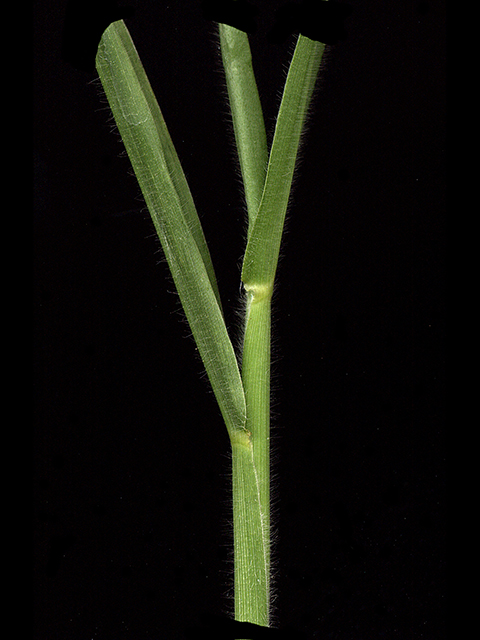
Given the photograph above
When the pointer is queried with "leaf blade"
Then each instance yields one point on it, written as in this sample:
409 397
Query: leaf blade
247 114
168 198
263 247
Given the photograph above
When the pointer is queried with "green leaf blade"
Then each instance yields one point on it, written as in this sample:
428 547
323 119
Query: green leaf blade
168 198
141 124
261 255
247 115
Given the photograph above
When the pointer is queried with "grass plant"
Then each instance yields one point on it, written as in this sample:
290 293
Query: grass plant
241 386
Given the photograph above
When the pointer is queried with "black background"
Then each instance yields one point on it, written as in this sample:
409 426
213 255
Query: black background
131 457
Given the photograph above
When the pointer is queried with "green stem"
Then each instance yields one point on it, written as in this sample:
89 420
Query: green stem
251 572
251 470
251 461
267 195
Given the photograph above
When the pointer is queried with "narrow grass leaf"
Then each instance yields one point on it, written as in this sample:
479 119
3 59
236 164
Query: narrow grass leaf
261 255
168 198
247 115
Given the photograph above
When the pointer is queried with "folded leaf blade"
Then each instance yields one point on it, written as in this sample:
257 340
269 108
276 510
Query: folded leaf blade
247 115
168 198
263 247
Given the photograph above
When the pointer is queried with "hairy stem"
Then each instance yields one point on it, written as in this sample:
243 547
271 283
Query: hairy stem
251 470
